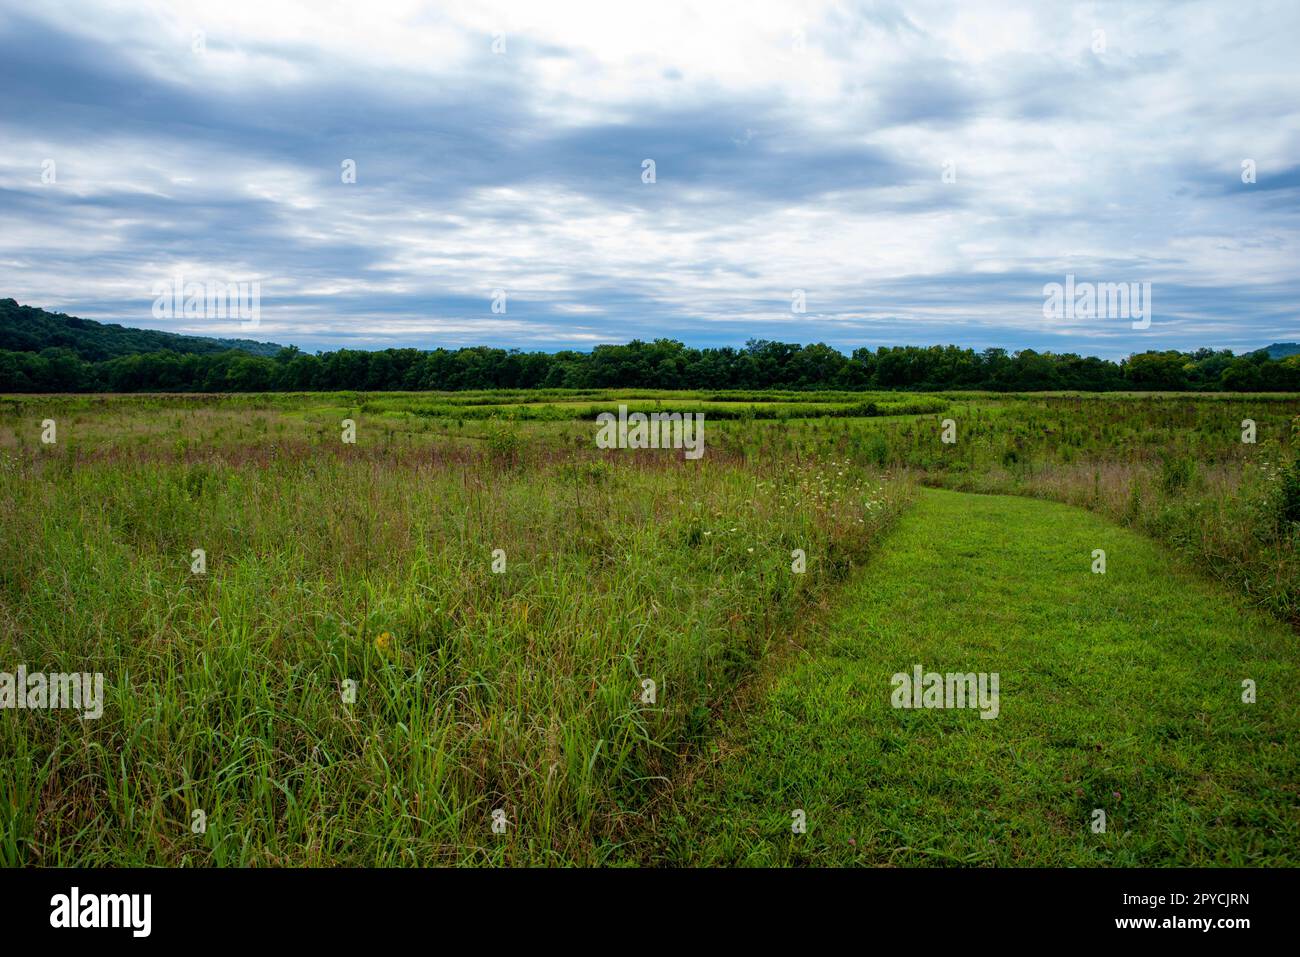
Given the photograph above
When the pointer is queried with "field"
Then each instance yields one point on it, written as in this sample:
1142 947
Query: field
472 636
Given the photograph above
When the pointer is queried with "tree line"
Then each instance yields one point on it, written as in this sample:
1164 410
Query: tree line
661 364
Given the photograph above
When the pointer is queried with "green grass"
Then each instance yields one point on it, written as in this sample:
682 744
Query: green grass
521 691
326 563
1119 691
1172 467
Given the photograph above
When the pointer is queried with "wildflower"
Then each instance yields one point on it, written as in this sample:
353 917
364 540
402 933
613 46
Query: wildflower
383 641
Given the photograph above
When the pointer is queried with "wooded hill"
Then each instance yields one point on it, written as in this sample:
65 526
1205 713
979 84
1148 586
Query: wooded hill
29 329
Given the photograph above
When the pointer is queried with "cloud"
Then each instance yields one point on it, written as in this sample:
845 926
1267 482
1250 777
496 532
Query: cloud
803 146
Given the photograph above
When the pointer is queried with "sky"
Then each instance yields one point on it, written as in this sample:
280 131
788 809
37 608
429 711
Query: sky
909 173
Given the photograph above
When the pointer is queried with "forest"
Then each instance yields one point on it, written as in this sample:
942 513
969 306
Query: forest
47 352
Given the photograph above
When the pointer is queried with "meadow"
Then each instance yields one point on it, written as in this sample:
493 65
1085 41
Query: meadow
473 637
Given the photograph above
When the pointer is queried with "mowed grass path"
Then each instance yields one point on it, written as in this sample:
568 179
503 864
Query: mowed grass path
1120 692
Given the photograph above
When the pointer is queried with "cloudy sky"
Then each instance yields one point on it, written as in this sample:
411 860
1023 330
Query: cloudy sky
919 170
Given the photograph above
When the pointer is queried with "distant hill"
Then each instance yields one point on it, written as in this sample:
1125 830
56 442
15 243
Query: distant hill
29 329
1280 350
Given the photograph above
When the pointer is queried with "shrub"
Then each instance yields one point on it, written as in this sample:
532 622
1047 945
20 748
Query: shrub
1288 499
1176 473
503 440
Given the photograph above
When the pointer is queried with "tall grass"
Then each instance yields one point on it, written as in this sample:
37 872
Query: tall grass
476 692
1173 467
